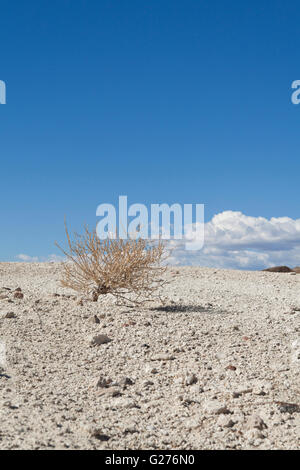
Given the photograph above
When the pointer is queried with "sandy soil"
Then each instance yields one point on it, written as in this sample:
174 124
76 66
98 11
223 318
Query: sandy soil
216 368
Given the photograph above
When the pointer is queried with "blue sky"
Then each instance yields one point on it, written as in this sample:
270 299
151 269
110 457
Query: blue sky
163 101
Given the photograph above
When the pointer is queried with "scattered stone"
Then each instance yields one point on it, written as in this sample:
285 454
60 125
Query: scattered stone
290 312
230 367
215 407
99 339
126 381
10 315
131 430
178 350
288 407
225 422
190 379
11 405
256 422
18 295
110 391
162 357
148 383
102 382
114 392
98 434
130 323
221 356
193 423
242 390
94 319
253 434
126 403
129 404
185 379
296 308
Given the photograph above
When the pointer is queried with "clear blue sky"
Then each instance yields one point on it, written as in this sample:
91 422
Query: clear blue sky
165 101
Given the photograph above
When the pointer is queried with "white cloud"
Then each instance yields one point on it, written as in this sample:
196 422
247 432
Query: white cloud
27 258
36 259
53 259
234 240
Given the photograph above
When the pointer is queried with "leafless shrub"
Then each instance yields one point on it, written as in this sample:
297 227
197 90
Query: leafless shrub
131 269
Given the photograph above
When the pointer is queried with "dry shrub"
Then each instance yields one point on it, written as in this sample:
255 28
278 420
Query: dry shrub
131 269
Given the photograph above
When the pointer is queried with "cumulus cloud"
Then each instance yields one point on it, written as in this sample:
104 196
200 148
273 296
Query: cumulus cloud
234 240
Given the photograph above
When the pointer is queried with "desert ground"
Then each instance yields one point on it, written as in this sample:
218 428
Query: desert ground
215 367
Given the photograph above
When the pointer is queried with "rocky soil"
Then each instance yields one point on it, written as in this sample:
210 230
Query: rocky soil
216 367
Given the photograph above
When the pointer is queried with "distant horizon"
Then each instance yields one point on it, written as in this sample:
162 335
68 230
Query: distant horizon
173 266
232 241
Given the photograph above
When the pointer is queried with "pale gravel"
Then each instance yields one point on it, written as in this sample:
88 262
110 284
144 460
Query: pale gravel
183 394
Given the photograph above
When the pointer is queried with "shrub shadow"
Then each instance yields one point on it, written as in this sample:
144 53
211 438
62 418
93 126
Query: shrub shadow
183 308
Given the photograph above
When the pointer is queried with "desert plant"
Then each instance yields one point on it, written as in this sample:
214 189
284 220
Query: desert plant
131 269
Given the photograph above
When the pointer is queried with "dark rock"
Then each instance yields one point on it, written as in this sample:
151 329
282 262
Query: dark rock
98 340
98 434
230 367
18 295
279 269
288 407
10 315
126 381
